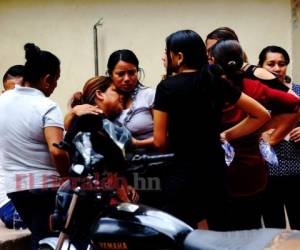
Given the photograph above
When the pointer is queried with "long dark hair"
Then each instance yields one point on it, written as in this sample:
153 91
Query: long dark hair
228 55
125 55
39 63
191 45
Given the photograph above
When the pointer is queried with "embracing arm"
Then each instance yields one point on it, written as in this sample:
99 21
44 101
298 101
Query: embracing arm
279 126
60 158
295 135
160 133
143 143
79 110
257 116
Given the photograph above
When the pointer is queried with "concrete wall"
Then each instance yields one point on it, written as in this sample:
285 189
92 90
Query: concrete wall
64 27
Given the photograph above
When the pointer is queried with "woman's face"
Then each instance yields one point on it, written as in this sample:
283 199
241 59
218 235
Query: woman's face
52 83
164 60
276 64
125 76
209 44
171 62
112 102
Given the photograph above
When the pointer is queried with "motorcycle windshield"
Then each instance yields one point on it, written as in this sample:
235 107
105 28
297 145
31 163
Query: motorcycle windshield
95 139
119 134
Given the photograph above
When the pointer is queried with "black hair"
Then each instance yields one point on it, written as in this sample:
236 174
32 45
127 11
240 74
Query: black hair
228 55
273 49
125 55
13 71
191 45
39 63
222 33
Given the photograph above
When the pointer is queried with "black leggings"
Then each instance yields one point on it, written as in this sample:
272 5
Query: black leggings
282 191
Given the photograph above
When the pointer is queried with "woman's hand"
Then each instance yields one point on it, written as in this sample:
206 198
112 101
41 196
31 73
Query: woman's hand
79 110
84 109
223 137
127 193
295 135
266 136
132 194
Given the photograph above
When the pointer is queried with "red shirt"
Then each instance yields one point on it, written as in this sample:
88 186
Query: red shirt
248 172
272 99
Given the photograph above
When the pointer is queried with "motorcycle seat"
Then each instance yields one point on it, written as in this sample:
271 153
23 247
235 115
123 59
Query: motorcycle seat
241 240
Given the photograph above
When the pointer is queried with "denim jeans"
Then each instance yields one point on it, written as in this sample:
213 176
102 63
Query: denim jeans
7 214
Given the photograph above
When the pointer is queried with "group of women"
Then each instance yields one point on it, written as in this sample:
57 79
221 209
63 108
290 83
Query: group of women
209 95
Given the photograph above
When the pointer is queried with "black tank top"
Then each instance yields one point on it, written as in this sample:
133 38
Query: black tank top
272 83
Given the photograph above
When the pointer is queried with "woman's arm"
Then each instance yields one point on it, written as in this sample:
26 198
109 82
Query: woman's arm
59 157
279 126
146 143
79 110
257 117
160 132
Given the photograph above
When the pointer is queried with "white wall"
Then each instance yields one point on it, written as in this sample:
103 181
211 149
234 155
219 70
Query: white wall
64 27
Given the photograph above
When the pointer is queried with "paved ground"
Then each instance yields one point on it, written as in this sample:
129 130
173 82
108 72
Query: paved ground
11 239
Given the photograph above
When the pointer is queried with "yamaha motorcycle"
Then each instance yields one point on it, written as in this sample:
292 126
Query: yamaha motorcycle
90 214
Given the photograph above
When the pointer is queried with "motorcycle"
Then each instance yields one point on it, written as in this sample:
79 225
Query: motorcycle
89 213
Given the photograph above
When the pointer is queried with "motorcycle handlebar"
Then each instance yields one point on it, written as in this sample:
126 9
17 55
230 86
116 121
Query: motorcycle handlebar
140 163
144 158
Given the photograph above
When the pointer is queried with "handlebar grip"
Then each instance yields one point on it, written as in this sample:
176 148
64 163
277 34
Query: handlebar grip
144 158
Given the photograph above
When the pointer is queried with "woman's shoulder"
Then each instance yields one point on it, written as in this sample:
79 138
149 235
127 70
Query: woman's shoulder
260 73
145 95
146 90
178 80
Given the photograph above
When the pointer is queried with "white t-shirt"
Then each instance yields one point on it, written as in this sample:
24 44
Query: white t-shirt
138 118
24 113
3 196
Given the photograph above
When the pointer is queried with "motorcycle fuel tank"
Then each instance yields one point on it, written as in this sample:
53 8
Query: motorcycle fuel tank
135 227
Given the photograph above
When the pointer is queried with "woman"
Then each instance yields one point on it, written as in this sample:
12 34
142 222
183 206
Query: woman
136 116
14 75
123 68
284 180
196 187
32 123
247 172
251 71
101 92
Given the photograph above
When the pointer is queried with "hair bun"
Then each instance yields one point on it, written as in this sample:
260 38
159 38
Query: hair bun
31 51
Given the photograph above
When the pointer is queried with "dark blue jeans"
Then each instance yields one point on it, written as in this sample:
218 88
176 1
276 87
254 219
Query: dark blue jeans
35 207
7 214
